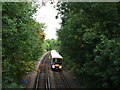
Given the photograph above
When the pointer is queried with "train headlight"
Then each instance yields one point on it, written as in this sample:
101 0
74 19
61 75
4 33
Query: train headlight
53 66
60 67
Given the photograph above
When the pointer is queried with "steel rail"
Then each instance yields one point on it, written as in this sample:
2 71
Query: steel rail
47 81
65 80
57 86
48 84
38 75
37 79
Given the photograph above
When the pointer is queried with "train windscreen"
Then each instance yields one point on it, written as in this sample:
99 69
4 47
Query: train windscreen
57 60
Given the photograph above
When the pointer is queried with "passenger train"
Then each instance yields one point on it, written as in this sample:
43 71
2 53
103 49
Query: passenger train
56 60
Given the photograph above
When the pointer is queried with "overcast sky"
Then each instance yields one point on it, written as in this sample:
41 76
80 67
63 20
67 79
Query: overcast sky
46 14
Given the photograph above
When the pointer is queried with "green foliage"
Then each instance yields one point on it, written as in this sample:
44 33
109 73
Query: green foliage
104 69
51 44
14 84
22 44
90 41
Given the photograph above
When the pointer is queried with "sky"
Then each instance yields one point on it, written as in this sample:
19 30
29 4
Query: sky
46 14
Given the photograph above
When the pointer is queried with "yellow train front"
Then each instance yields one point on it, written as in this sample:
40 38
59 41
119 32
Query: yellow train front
56 60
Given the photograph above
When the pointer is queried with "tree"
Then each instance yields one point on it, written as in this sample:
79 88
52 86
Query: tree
51 44
88 34
21 43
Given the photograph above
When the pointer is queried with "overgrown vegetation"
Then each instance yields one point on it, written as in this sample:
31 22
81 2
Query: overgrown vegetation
51 44
22 39
90 42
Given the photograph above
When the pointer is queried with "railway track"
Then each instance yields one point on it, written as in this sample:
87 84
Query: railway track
56 82
61 81
48 83
43 79
47 79
67 83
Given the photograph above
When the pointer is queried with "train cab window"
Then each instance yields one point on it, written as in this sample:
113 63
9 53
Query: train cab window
57 60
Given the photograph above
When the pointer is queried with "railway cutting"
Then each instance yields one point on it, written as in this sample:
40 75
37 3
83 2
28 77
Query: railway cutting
50 78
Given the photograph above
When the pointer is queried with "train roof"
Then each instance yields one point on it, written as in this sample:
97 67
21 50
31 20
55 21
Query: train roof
54 54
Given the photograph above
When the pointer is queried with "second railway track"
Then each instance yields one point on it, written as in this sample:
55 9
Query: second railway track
42 79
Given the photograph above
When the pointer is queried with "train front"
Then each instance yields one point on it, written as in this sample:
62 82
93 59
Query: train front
56 61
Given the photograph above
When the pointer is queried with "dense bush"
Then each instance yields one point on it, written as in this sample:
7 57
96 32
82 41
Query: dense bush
22 39
90 41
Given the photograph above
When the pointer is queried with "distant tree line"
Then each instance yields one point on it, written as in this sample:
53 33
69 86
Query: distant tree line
51 44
